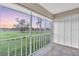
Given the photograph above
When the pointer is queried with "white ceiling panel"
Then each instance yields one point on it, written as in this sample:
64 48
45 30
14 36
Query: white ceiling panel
55 8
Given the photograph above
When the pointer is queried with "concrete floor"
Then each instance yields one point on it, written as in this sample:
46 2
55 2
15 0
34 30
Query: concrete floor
61 50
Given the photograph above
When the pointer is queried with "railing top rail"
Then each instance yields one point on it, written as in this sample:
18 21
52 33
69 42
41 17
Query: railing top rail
13 38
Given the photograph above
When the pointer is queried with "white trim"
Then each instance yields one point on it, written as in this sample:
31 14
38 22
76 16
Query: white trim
16 7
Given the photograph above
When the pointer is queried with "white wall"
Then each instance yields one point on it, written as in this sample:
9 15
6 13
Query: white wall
66 31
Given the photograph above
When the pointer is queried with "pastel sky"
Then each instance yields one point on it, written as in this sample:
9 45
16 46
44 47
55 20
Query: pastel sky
8 18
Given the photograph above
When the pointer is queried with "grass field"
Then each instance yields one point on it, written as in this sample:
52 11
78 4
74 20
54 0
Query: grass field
11 45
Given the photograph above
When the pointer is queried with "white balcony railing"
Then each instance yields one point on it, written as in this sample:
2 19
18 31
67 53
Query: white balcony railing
20 46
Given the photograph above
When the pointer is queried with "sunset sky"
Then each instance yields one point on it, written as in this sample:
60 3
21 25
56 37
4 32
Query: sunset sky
8 18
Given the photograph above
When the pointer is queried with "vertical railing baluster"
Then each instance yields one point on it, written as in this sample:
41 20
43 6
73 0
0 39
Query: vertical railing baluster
46 39
36 41
21 46
34 44
26 45
43 40
39 40
8 47
49 39
15 46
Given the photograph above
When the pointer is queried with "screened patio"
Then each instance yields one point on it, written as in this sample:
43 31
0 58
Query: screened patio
41 29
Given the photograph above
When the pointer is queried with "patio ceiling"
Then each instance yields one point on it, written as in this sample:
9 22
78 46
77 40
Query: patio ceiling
52 11
56 8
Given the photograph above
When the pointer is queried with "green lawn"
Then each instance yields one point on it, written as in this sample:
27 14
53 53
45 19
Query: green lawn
14 43
4 35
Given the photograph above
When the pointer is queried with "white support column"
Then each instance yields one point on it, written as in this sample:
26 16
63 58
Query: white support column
30 33
39 32
45 32
52 32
